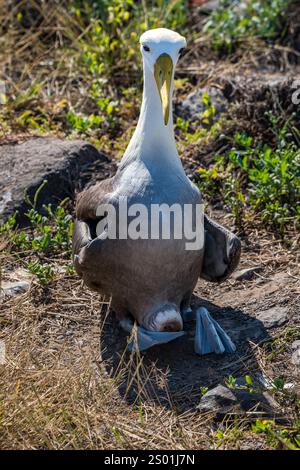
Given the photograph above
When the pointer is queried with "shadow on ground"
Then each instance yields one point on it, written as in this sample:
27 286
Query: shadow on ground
172 374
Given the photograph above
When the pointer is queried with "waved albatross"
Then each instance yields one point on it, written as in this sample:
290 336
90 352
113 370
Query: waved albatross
151 278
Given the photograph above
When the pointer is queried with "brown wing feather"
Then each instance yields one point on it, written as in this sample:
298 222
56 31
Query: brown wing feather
89 199
84 230
222 251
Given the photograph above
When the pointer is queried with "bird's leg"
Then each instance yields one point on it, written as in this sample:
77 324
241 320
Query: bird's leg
143 338
166 318
123 316
185 307
121 313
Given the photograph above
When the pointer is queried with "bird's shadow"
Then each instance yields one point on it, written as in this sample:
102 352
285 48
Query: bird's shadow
173 374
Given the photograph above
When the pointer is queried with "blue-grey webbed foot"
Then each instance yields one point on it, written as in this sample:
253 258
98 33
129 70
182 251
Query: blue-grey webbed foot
145 339
209 336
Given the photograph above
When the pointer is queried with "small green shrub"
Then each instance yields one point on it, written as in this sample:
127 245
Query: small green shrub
279 436
236 20
9 225
82 123
265 179
230 382
203 129
43 271
48 232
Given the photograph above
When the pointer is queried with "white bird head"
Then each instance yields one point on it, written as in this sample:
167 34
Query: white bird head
161 49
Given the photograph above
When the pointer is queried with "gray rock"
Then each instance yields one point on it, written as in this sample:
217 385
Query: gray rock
246 274
222 400
12 289
252 330
296 357
273 317
192 107
208 7
216 399
23 167
295 344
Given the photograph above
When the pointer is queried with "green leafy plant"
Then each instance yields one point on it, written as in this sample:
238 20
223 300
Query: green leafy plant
235 21
278 436
210 110
203 129
203 390
43 271
265 179
182 124
83 123
8 226
230 382
49 231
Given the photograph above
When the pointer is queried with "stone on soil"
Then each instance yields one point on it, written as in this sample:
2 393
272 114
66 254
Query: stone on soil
296 357
23 168
12 289
246 274
273 317
193 107
222 400
18 283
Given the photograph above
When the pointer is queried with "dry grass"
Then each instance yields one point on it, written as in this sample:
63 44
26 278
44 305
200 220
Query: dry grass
39 65
56 391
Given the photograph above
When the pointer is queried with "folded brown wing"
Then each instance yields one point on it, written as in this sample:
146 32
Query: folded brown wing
222 248
222 251
88 200
84 230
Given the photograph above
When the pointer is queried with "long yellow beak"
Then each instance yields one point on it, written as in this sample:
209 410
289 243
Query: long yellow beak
163 69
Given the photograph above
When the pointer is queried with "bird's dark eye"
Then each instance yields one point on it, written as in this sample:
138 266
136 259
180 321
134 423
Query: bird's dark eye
146 48
181 51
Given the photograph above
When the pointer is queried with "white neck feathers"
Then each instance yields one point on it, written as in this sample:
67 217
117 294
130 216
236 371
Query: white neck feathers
152 139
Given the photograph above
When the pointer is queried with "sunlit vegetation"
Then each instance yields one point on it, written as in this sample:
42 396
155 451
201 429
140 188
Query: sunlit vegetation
90 82
91 87
46 239
235 22
258 178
